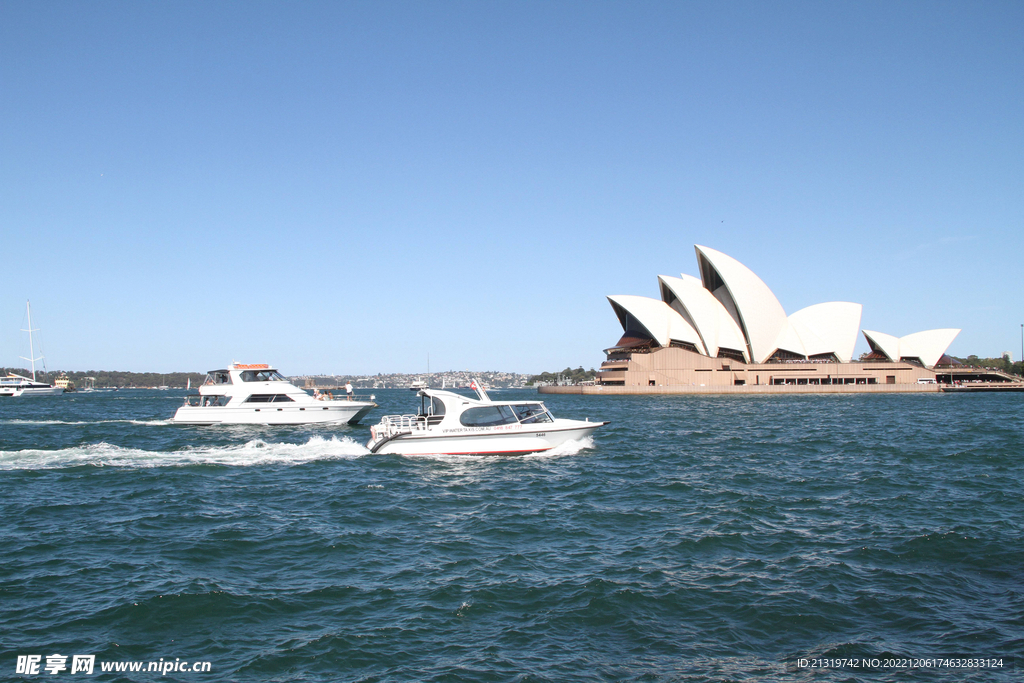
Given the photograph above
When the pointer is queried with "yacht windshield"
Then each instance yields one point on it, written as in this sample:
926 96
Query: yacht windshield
218 377
530 413
262 376
206 401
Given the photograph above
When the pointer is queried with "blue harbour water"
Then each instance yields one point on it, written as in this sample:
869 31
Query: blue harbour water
693 539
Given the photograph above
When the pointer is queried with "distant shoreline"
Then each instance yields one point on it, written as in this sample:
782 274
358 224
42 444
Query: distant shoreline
109 379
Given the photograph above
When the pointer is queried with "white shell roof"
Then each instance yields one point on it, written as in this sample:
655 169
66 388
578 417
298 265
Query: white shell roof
828 328
660 320
761 316
885 343
928 345
706 313
789 340
730 307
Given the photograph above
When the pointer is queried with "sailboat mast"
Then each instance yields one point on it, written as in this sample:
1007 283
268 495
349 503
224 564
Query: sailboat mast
31 350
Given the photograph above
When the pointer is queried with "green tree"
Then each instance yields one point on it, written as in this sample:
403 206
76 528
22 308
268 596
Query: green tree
572 375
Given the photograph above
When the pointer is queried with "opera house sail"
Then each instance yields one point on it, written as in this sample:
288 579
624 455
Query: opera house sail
726 328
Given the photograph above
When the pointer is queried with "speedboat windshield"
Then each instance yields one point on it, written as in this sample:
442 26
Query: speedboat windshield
487 416
494 415
529 413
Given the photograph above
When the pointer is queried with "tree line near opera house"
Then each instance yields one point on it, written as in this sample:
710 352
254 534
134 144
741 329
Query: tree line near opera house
727 328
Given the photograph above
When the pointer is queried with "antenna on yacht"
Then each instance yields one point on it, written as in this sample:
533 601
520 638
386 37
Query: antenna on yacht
31 350
478 387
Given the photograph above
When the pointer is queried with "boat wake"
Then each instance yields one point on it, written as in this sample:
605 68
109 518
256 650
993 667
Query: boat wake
151 423
567 448
255 452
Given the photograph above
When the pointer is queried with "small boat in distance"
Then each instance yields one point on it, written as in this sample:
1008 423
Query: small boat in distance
18 385
418 385
259 394
454 424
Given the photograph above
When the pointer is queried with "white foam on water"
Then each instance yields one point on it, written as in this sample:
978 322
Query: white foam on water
86 422
51 422
568 448
254 452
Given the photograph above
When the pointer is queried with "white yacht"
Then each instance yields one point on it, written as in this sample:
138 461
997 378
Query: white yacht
454 424
259 394
18 385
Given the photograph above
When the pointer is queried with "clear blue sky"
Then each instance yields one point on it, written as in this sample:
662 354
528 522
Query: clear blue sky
347 187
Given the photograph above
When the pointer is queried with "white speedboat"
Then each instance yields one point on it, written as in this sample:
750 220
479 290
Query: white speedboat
454 424
259 394
16 385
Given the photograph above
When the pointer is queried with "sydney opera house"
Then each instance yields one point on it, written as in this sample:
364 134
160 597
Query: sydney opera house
727 329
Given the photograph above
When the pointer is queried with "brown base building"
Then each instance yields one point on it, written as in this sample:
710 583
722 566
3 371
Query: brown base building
680 371
678 367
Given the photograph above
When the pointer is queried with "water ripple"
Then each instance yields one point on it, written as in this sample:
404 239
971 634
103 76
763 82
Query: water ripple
693 539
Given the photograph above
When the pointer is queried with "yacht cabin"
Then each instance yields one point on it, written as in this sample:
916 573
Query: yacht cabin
240 394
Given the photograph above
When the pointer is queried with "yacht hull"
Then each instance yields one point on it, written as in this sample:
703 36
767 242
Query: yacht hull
33 391
320 412
497 442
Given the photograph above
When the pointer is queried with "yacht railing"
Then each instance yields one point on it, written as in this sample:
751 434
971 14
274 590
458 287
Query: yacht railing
342 396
